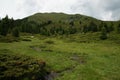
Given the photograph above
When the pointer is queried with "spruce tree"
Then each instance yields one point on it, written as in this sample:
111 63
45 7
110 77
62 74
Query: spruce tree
118 28
4 26
103 35
0 27
15 32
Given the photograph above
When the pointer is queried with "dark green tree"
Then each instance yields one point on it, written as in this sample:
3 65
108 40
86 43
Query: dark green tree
71 23
118 28
72 30
110 27
85 29
15 32
103 35
4 26
92 27
0 26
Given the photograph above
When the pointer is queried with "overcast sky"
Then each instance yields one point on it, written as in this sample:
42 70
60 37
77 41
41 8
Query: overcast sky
101 9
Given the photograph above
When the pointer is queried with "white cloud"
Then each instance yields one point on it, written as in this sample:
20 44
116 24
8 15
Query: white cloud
101 9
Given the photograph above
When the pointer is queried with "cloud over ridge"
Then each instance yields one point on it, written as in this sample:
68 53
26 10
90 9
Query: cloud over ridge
100 9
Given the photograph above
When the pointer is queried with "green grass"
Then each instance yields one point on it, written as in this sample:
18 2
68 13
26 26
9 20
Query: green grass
73 59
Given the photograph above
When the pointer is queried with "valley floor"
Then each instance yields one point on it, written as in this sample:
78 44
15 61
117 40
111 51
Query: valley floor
70 60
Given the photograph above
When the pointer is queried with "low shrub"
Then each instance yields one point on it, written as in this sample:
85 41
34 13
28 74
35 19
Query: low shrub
49 42
26 39
9 39
14 67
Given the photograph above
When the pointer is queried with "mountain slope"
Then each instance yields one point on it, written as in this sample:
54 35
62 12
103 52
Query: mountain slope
60 23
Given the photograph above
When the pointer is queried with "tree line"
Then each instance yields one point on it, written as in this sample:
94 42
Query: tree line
7 26
49 27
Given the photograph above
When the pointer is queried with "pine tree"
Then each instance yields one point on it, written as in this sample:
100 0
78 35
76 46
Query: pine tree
4 26
92 27
15 32
0 26
103 35
71 23
118 28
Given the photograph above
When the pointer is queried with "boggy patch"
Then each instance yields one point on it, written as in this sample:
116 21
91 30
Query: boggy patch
81 59
36 48
42 47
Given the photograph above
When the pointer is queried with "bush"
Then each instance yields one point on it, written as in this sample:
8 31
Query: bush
103 37
26 40
9 39
49 42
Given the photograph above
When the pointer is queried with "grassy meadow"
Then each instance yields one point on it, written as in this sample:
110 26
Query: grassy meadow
73 57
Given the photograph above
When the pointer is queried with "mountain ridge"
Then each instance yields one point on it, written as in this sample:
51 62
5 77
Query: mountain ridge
66 23
58 13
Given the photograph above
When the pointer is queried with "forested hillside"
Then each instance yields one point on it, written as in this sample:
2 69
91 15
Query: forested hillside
57 24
